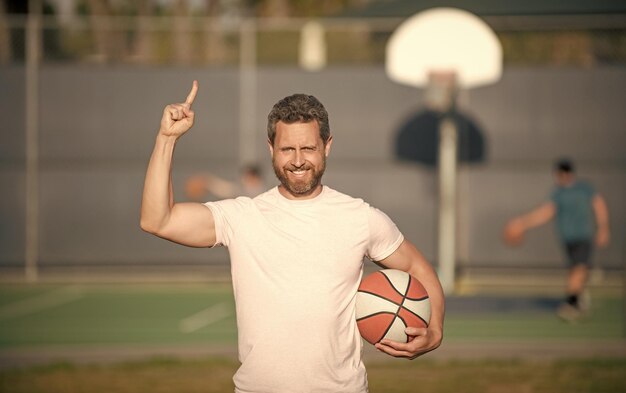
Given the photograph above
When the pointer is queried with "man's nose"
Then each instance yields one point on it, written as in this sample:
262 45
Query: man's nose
298 159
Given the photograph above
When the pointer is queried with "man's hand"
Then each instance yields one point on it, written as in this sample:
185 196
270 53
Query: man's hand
178 118
421 341
513 233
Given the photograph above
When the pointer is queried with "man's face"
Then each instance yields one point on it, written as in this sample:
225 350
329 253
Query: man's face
299 159
563 179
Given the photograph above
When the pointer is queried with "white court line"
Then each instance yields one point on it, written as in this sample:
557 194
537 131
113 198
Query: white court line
42 302
205 317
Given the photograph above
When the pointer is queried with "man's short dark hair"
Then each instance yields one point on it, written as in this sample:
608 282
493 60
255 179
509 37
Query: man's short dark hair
564 165
298 108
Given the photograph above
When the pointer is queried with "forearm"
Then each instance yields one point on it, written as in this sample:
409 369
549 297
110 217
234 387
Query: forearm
407 258
601 212
423 271
158 199
410 260
540 216
531 220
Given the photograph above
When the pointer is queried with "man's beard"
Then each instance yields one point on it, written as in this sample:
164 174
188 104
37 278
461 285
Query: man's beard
304 186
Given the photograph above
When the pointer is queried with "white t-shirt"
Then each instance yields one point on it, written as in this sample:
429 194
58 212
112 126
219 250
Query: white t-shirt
296 267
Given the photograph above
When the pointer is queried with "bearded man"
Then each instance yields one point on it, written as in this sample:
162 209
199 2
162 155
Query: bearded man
296 254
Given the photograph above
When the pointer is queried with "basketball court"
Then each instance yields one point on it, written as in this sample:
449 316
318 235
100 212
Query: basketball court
82 285
87 323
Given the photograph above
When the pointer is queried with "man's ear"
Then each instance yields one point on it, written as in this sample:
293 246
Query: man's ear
327 147
269 144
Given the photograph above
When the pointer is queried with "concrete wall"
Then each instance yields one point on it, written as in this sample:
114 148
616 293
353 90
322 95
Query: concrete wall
98 127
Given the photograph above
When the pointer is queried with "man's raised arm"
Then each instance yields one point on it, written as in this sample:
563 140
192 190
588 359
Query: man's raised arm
190 224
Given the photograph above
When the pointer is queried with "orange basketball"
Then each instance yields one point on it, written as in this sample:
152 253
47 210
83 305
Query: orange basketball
388 301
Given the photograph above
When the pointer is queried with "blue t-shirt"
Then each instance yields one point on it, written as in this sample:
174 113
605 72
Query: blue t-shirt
575 219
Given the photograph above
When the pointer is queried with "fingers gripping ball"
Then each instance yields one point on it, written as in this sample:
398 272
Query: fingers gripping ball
388 301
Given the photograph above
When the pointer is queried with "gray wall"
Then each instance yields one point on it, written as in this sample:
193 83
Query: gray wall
98 127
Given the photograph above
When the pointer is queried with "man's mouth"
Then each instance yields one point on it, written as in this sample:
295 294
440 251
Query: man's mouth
298 172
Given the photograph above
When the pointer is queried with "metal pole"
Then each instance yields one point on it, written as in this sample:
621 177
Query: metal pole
247 92
33 44
624 289
448 147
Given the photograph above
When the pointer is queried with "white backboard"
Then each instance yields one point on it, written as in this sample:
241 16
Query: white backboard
444 40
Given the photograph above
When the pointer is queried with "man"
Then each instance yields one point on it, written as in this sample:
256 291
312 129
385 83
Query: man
250 184
296 256
582 218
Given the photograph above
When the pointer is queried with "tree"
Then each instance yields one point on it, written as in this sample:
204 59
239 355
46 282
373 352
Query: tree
216 47
109 45
143 44
5 36
183 43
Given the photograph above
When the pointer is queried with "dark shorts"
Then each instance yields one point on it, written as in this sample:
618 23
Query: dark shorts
579 252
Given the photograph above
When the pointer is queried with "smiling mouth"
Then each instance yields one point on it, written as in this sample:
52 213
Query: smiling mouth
298 172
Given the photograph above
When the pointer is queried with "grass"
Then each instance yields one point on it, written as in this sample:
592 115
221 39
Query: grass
215 375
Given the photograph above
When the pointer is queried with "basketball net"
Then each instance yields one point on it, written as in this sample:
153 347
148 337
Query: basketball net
441 91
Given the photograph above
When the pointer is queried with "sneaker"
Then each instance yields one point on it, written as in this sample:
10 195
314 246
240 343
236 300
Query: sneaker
569 313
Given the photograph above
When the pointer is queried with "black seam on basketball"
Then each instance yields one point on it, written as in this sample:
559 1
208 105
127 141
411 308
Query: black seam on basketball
417 298
397 312
405 297
417 315
402 305
380 296
408 285
405 326
376 313
390 283
388 327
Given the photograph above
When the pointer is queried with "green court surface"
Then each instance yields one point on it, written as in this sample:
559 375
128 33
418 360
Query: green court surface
39 316
116 314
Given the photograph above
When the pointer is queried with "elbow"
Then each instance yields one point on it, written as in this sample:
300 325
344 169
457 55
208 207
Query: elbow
148 226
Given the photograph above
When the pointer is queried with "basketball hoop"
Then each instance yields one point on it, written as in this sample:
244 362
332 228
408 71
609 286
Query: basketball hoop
441 91
444 50
444 40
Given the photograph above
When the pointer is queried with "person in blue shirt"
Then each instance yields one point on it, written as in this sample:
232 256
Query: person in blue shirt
582 221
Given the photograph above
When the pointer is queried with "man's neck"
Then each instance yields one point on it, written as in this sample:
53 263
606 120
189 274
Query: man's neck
299 197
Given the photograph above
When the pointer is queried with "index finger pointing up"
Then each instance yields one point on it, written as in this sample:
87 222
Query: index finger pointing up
192 93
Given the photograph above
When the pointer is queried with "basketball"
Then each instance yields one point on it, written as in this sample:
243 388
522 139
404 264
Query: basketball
387 302
513 234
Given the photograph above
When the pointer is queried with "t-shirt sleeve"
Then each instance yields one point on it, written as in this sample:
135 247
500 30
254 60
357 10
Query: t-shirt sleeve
385 237
224 214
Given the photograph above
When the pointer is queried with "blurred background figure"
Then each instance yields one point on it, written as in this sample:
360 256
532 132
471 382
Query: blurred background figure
199 187
582 219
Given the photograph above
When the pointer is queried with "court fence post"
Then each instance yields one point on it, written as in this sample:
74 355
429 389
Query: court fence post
33 54
247 91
